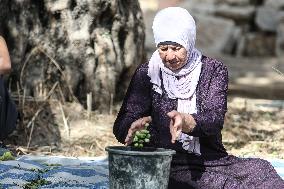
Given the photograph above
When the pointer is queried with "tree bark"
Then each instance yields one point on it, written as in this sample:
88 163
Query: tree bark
84 45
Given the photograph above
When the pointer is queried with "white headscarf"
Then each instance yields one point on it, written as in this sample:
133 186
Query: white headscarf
175 24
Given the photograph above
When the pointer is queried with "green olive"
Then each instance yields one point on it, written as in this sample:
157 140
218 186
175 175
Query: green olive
144 131
135 139
141 137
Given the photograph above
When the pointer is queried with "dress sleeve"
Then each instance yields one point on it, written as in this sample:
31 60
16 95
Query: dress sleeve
213 107
136 103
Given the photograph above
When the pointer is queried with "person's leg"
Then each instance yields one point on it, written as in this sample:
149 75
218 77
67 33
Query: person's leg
227 173
186 177
261 174
181 178
246 173
215 180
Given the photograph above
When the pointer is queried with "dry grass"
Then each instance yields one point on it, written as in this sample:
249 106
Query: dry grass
252 128
255 128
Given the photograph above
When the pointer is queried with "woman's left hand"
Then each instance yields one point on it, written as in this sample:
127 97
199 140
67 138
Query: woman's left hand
180 122
136 126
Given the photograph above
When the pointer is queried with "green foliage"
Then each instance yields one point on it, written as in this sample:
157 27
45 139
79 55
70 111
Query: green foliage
35 184
7 156
52 164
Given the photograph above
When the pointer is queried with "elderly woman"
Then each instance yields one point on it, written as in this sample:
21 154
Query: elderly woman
182 94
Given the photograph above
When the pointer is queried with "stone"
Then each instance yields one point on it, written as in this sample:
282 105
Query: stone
276 4
266 18
199 7
254 77
236 13
258 44
233 42
214 34
234 2
280 41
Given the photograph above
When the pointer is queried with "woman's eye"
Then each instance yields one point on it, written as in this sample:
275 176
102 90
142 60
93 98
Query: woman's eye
163 48
176 48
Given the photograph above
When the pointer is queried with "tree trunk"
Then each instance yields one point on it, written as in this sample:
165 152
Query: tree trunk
76 46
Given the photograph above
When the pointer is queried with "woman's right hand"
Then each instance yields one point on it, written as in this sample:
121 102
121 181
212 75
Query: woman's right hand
137 125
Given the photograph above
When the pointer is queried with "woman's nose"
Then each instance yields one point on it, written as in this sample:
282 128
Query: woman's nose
170 55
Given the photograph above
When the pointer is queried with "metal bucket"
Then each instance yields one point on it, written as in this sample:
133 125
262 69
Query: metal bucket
139 168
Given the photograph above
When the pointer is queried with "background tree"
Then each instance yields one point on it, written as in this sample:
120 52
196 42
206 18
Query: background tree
73 46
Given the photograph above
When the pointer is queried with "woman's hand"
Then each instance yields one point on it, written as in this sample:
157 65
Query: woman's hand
180 122
136 126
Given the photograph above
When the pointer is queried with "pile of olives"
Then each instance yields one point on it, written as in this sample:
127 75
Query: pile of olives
141 137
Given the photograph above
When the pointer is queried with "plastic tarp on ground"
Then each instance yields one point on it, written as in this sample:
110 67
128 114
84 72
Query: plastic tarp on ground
55 172
68 173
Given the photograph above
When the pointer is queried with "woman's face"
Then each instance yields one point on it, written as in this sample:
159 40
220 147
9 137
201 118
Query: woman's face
173 56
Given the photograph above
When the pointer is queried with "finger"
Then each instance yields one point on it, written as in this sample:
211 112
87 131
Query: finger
174 137
129 135
178 121
148 119
145 120
172 114
171 126
177 128
131 130
136 125
178 133
173 130
128 140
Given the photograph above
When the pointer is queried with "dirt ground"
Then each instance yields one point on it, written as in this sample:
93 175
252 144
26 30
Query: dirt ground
255 128
252 128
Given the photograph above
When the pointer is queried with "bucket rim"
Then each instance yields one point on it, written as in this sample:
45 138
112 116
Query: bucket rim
128 150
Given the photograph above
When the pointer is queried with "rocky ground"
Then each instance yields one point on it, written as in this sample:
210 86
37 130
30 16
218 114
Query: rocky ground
252 128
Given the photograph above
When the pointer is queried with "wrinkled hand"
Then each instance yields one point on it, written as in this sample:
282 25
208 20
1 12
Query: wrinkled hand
180 122
175 124
136 126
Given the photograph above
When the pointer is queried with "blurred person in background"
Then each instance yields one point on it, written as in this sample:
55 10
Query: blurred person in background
5 62
182 94
8 110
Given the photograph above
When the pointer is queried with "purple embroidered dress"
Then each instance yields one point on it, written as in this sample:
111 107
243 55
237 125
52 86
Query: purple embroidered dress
214 168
